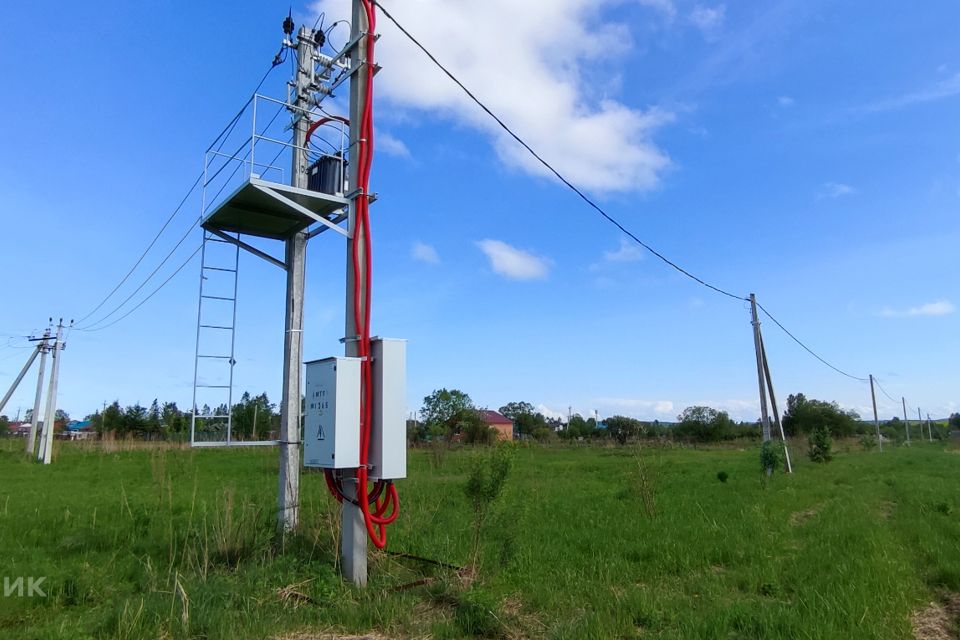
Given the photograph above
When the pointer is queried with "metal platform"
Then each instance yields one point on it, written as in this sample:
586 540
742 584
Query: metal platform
271 210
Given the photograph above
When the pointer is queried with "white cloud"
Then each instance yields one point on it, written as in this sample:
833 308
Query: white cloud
390 145
786 101
627 252
833 190
636 406
424 253
709 20
513 263
550 413
538 77
938 91
938 308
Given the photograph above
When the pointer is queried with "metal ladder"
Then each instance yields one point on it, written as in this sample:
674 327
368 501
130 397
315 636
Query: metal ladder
214 427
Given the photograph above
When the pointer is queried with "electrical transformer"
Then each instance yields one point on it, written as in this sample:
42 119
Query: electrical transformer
331 426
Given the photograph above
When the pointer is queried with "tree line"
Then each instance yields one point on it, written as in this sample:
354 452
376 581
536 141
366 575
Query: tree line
451 415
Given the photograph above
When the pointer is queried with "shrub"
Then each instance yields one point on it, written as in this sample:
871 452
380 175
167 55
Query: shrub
722 476
821 445
771 456
488 475
868 441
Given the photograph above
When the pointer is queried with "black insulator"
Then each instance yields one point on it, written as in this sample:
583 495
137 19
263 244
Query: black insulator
288 25
319 38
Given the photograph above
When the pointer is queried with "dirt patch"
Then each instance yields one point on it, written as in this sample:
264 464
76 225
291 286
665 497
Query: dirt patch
887 508
938 620
797 518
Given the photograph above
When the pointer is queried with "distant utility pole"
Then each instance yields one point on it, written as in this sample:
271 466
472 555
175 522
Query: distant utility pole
35 418
773 404
876 418
905 418
19 378
50 415
765 382
929 428
764 417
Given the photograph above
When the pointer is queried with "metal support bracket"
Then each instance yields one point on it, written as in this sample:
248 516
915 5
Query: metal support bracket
246 247
301 209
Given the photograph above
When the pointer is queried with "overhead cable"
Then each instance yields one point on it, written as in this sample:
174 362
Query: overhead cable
219 141
808 349
550 167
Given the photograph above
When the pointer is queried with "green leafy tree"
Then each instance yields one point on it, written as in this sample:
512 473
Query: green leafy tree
112 419
153 424
473 429
444 409
173 419
704 424
622 428
803 415
579 428
252 417
4 425
133 420
954 421
525 417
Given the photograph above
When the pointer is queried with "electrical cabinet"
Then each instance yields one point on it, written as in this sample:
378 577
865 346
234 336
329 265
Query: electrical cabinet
331 427
388 430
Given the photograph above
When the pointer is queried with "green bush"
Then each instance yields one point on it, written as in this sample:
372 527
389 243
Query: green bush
771 456
722 476
821 445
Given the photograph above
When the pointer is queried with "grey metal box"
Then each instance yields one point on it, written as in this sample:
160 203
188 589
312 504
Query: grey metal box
331 430
388 433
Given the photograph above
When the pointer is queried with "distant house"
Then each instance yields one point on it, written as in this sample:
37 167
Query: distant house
499 423
20 429
78 430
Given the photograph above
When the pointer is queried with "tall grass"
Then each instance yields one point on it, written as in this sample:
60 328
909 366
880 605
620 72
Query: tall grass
584 542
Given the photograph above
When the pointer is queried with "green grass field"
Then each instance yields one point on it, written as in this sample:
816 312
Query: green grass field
586 542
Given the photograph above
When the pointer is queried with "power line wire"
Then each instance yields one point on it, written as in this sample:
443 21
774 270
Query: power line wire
152 293
91 326
808 349
221 139
589 201
550 167
882 390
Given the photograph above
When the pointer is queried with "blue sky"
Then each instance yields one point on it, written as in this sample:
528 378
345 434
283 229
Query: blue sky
805 151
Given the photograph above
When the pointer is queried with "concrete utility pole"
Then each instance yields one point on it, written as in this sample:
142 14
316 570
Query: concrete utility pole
35 418
764 416
905 418
929 428
876 418
50 415
16 383
296 251
773 405
353 531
